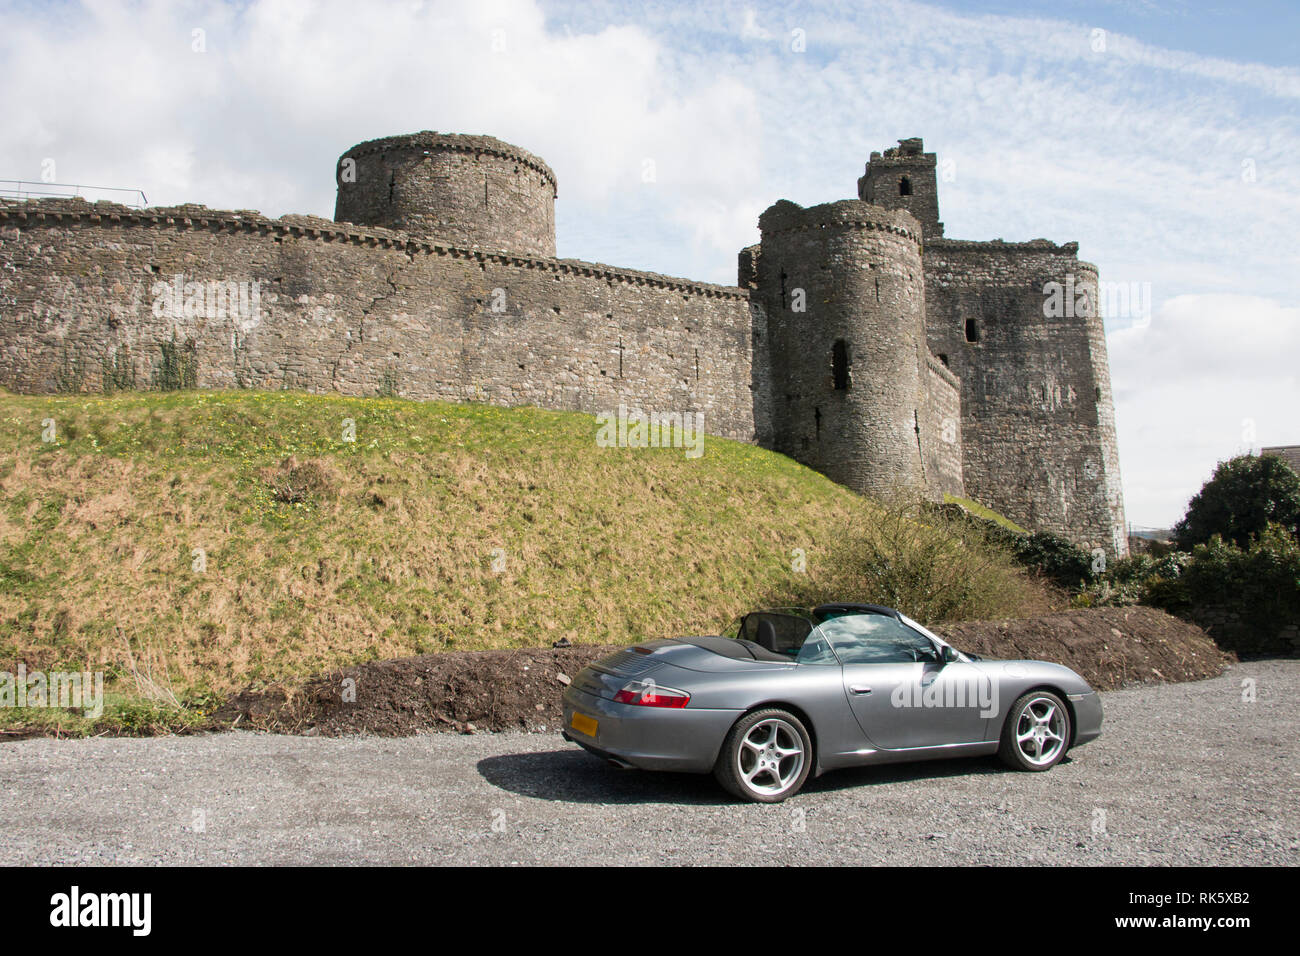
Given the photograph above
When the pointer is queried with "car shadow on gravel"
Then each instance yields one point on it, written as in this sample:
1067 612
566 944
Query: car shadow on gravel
577 777
884 774
574 776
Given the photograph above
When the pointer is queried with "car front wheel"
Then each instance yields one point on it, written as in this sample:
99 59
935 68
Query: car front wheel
1037 732
766 757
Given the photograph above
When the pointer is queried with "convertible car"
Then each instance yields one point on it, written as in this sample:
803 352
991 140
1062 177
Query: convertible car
785 693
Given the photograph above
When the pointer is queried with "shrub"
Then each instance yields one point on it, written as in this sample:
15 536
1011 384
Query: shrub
1240 500
1044 552
1054 556
1260 581
932 565
1139 579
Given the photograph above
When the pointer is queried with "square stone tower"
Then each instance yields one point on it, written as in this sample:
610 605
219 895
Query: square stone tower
903 177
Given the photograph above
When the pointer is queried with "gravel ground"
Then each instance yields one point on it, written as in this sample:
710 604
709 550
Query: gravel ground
1182 774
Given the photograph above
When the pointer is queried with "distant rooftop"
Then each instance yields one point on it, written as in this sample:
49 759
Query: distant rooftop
1288 453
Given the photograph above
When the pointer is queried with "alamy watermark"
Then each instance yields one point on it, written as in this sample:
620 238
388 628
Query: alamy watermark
1117 300
952 693
129 910
633 428
67 690
210 299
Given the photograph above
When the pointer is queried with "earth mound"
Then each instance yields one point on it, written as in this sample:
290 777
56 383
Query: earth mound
497 690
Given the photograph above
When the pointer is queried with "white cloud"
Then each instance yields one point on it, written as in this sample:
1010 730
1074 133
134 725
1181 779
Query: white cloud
258 119
1210 377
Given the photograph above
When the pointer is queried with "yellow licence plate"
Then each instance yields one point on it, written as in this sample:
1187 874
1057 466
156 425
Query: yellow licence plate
583 724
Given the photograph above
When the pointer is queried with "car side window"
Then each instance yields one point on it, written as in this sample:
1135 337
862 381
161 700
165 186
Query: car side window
876 639
816 650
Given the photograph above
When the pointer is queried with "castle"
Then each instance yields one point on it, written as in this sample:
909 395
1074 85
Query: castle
857 340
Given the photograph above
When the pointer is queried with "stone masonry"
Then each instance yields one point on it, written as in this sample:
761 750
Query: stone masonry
858 340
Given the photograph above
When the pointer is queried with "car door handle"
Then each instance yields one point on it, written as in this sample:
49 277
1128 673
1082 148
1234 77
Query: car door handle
859 689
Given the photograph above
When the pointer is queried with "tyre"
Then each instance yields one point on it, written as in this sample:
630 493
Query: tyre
766 757
1037 732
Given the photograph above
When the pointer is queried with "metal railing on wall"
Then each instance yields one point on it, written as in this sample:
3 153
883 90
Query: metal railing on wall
21 189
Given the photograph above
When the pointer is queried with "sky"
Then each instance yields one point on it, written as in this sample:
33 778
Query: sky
1162 136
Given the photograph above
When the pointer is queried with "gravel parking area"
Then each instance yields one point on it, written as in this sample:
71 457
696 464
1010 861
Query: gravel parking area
1191 773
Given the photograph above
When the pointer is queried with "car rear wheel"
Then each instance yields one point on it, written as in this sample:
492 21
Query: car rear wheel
1037 732
766 757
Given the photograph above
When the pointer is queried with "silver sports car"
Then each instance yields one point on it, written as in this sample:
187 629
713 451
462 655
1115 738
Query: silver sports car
785 693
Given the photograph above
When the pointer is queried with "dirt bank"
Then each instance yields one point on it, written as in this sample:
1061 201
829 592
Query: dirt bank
520 689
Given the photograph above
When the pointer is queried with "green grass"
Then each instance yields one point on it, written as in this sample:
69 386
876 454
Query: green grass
980 511
441 527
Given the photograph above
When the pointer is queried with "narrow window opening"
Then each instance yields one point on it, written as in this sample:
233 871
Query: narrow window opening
620 358
485 199
697 365
916 424
943 357
392 181
783 302
905 187
840 364
972 331
817 420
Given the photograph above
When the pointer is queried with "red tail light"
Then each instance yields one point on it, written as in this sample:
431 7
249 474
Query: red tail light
649 694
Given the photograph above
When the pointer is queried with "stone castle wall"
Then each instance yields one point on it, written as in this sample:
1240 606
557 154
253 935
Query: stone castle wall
1038 435
941 431
359 311
842 284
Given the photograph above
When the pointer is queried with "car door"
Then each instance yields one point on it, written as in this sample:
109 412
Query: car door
901 693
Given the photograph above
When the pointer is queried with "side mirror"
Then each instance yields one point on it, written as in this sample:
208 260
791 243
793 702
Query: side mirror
948 654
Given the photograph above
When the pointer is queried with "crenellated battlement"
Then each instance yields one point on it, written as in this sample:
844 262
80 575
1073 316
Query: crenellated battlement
468 190
786 216
65 211
455 142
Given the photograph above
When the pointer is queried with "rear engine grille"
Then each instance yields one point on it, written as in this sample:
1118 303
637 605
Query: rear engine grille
628 663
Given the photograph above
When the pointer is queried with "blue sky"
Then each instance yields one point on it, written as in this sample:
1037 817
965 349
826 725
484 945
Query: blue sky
1257 32
1164 137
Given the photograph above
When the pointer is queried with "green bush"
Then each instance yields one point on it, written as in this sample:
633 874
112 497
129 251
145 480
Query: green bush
1155 579
1054 556
1260 581
1049 554
933 565
1240 500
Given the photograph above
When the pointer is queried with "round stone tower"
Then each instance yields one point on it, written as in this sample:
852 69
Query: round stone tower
466 190
844 293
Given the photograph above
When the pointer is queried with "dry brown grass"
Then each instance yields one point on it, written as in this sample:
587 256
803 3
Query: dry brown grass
441 527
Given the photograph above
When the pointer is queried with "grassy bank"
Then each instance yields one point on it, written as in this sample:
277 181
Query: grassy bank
189 544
